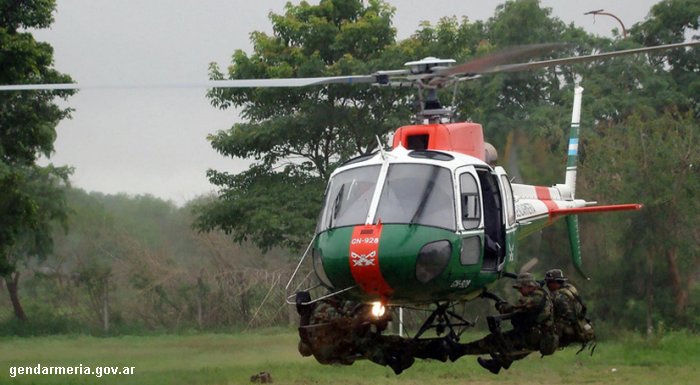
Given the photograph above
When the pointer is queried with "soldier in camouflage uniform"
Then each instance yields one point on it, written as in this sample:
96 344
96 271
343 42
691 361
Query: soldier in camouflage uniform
531 318
333 330
337 331
569 311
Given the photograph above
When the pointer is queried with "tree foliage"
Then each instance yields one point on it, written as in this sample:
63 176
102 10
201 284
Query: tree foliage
31 195
298 136
643 149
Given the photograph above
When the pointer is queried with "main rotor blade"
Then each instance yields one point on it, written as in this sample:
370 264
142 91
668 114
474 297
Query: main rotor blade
496 62
529 265
486 63
578 59
236 83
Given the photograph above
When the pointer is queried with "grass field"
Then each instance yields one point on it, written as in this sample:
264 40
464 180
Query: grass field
220 359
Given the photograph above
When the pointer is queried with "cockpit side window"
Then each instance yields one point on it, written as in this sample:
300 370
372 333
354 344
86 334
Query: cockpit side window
348 197
471 207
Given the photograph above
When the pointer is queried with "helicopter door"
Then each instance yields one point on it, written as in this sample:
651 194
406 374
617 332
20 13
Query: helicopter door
470 214
494 226
510 224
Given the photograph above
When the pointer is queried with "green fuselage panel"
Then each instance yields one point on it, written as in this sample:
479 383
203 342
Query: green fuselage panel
398 251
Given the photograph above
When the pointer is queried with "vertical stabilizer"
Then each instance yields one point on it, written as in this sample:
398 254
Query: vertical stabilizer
571 163
573 141
575 243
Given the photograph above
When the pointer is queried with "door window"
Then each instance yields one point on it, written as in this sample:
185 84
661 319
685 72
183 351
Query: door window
508 191
471 250
469 197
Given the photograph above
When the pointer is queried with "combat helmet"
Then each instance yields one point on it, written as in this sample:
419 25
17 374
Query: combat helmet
525 279
555 275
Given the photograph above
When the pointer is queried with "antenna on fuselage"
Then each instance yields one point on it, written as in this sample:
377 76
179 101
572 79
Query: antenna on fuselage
381 148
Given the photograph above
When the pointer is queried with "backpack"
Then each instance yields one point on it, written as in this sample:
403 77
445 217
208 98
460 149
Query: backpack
583 328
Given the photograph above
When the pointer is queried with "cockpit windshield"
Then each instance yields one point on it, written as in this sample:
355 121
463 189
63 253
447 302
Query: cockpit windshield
418 194
349 197
412 194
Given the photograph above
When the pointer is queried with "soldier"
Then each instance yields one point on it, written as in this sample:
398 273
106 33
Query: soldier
335 331
570 320
531 318
329 331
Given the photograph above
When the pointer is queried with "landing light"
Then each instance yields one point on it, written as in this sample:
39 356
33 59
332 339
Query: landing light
378 309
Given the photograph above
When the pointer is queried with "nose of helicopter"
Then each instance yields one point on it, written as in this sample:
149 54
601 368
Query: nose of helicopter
387 262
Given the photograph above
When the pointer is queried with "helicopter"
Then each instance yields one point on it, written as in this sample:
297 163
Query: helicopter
431 221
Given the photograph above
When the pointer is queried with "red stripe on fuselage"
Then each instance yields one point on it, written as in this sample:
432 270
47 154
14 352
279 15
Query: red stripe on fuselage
364 260
546 198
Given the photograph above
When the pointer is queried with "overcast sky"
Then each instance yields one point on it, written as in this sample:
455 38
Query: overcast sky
154 141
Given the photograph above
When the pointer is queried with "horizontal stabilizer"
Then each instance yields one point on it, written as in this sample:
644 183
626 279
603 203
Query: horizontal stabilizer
594 209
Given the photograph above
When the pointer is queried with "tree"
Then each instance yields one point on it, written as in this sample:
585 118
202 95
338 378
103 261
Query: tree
672 21
31 197
298 136
642 150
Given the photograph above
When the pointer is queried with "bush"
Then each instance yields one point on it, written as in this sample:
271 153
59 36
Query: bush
41 321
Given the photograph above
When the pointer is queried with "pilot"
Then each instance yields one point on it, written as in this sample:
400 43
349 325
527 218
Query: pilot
570 320
533 330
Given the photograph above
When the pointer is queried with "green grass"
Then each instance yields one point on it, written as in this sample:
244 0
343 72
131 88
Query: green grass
220 359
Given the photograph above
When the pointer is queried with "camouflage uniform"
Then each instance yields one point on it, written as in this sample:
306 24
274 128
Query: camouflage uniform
569 312
566 308
332 331
341 332
532 322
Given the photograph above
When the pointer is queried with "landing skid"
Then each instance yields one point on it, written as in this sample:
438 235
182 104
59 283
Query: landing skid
443 319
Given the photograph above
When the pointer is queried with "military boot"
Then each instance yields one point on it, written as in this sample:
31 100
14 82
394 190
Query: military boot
507 360
492 366
398 362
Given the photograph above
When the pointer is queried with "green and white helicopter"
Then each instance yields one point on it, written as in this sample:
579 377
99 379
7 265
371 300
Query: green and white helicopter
431 221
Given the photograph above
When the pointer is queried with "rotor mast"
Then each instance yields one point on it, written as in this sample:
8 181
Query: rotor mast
424 74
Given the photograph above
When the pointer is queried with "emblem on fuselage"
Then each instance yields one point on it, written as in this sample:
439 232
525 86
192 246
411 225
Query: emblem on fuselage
363 259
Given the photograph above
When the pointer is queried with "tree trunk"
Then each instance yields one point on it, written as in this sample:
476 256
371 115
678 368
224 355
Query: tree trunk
680 291
650 294
201 292
105 307
199 312
12 281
